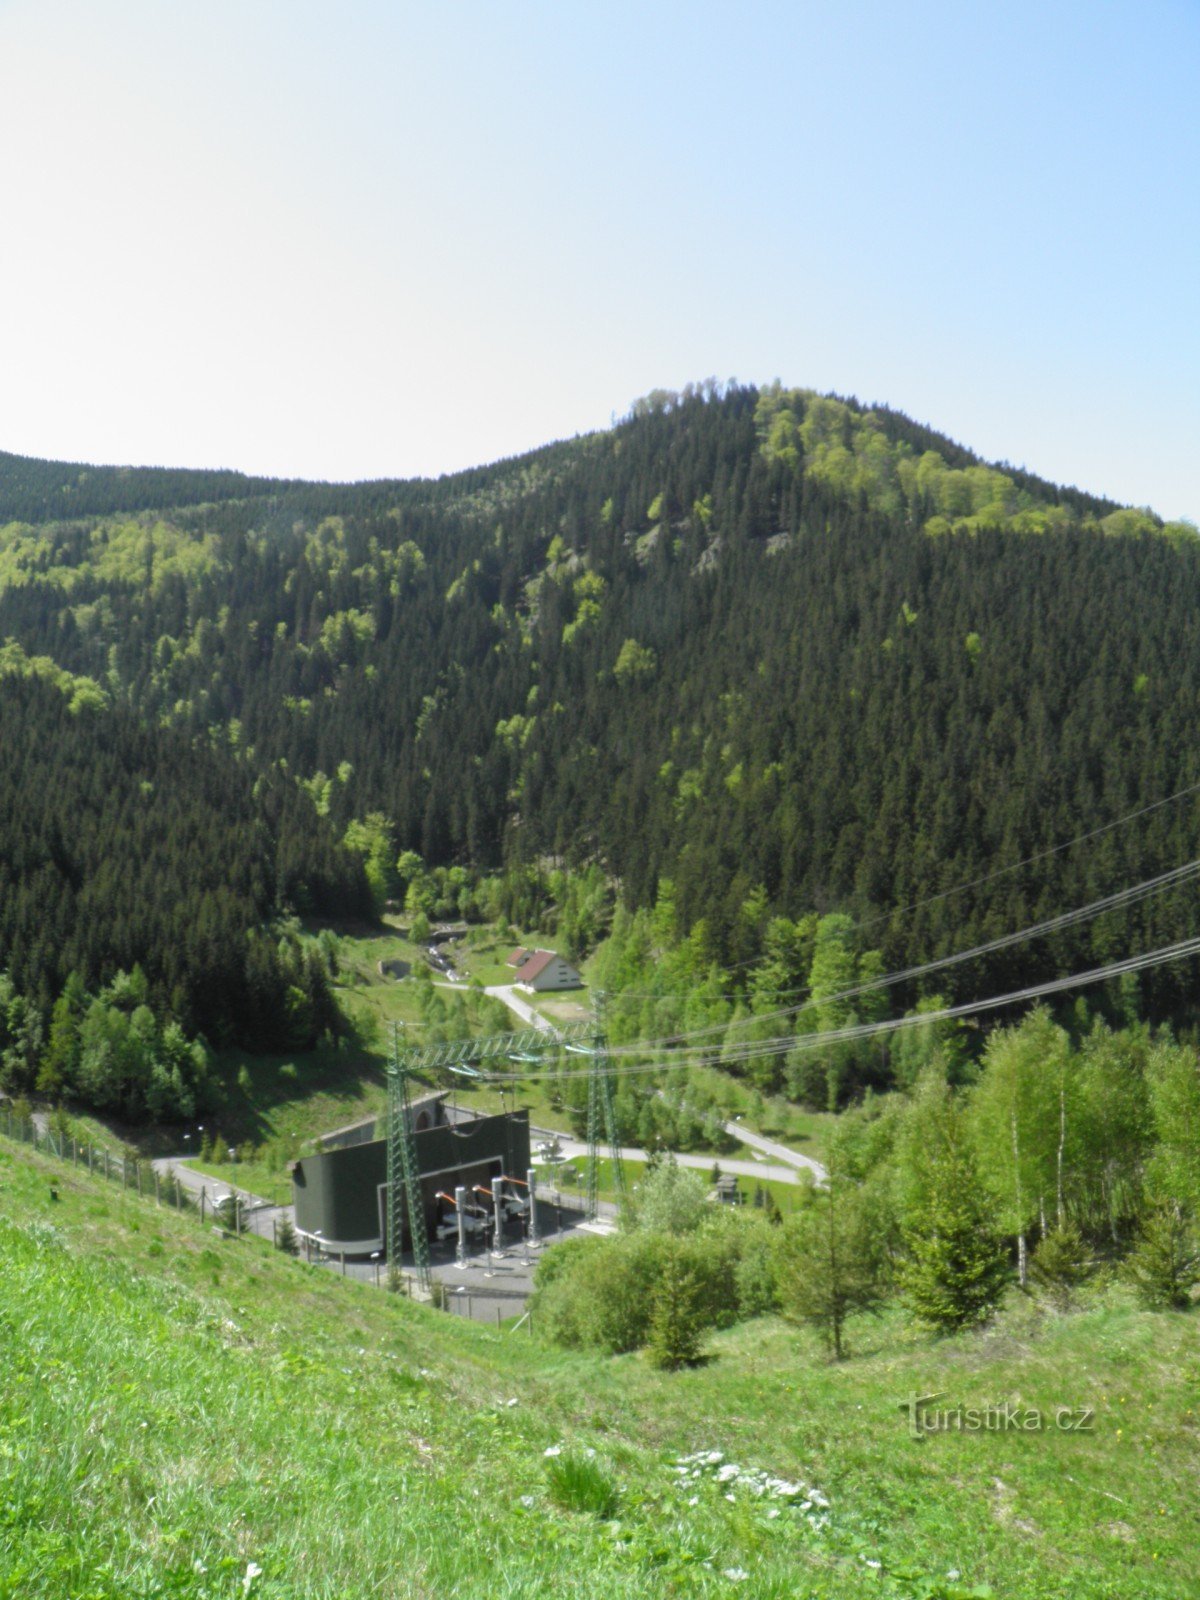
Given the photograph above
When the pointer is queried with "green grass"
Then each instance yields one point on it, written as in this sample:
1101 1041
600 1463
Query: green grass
787 1196
178 1409
251 1177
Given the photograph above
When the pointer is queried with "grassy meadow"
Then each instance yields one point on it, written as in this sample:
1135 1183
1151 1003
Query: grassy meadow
183 1414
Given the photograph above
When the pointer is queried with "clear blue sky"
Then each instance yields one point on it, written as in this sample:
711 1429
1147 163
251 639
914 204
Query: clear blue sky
384 238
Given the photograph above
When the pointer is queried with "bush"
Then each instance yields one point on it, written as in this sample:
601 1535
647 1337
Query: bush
755 1273
601 1294
670 1199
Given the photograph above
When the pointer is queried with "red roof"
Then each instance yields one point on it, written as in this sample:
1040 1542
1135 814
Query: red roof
518 955
536 962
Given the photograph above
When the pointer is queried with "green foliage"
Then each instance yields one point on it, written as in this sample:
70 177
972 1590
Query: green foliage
1061 1264
81 693
373 839
603 1295
635 662
1164 1265
831 1265
669 1199
677 1314
955 1268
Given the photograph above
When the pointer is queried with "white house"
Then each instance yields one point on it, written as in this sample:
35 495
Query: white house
541 970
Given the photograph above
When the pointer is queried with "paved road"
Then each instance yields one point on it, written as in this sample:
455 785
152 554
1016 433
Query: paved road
520 1008
777 1152
576 1150
258 1215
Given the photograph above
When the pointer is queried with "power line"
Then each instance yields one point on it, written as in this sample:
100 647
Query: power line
1078 980
1173 879
1000 872
1040 855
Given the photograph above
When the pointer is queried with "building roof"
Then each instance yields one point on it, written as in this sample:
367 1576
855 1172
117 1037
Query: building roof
536 961
517 957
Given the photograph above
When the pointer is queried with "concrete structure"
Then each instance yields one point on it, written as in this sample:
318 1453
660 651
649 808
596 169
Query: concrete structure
542 970
341 1194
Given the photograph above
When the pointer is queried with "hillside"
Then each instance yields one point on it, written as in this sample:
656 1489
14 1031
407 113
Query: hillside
187 1415
781 653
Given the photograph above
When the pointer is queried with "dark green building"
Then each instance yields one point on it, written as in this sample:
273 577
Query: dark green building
341 1194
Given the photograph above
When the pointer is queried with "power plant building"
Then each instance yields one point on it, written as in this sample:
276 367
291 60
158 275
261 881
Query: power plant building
341 1193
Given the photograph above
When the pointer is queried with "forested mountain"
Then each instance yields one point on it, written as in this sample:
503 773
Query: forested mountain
788 653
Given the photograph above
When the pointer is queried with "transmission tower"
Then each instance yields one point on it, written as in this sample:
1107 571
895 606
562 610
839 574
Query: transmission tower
601 1108
403 1173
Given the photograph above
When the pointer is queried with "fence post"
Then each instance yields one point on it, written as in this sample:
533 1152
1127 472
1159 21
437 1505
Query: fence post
157 1196
106 1171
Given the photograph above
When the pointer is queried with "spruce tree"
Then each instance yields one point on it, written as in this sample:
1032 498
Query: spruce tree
955 1267
677 1316
1164 1265
1061 1264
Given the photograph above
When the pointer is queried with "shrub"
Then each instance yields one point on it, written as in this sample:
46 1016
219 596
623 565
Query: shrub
601 1293
670 1199
755 1273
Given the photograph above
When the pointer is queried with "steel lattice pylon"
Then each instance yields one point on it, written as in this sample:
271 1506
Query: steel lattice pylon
403 1174
601 1108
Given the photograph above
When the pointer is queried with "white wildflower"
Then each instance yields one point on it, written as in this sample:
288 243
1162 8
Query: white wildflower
735 1574
554 1450
513 1402
253 1571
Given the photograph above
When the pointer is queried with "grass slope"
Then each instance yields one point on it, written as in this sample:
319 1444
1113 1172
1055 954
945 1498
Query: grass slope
177 1410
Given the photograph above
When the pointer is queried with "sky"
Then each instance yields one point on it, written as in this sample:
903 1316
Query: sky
386 239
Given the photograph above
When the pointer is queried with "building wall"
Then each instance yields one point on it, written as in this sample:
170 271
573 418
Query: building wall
556 975
339 1192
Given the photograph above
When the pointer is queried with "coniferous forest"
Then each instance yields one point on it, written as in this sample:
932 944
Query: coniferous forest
753 654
